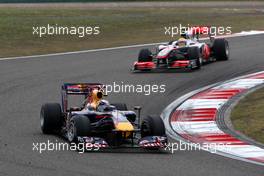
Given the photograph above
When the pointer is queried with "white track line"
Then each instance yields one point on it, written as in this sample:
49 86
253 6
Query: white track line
79 52
241 34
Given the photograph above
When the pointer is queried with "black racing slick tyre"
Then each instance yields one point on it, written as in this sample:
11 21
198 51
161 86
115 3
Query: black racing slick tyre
120 106
79 126
51 118
194 54
221 49
144 55
152 126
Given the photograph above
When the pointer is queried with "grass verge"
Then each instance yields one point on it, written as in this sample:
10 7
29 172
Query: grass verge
118 26
248 115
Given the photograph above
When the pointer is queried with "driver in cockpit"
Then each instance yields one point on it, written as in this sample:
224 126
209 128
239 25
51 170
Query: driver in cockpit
94 102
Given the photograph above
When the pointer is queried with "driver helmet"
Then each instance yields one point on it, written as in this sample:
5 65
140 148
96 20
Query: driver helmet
96 96
182 42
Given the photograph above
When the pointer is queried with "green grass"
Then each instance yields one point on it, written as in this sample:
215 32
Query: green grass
118 26
248 116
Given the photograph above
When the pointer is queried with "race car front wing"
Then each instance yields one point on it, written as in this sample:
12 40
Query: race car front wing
148 142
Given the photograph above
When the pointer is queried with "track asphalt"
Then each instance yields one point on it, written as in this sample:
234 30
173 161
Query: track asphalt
28 83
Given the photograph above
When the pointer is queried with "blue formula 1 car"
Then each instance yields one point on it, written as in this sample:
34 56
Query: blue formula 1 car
97 123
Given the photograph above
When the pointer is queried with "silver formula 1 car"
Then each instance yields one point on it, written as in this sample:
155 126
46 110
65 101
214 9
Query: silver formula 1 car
187 52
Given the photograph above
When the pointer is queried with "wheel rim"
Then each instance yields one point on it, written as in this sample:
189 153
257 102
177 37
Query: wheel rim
42 119
227 51
71 132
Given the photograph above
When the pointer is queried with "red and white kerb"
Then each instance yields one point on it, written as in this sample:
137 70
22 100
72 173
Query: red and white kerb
195 119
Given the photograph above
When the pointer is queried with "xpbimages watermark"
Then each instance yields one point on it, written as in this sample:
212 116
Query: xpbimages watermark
211 147
53 30
208 30
41 147
146 89
50 146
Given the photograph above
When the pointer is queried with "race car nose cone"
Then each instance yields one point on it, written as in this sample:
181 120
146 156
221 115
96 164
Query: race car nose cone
124 126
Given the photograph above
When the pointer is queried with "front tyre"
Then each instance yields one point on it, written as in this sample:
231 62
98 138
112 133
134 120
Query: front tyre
144 55
152 126
51 118
79 126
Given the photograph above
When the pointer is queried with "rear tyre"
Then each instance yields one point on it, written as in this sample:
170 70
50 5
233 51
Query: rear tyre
221 49
152 126
194 54
80 126
145 55
51 118
120 106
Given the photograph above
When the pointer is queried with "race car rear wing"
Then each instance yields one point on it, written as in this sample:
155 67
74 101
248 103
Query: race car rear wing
81 88
77 89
